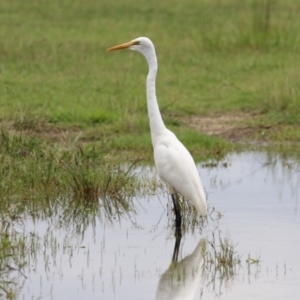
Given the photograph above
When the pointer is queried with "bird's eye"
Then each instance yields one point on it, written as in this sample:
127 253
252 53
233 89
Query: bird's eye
136 43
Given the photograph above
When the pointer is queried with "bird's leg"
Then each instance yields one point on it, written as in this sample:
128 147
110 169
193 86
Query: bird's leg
177 212
177 245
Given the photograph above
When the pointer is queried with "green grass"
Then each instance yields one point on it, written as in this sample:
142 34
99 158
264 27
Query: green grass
214 57
35 171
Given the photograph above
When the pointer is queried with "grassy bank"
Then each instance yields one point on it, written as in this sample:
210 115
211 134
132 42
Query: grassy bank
215 58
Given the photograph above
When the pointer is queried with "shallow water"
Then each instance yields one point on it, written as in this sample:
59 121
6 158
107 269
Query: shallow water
255 198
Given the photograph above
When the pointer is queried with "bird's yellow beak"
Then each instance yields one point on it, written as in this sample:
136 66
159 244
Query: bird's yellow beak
123 46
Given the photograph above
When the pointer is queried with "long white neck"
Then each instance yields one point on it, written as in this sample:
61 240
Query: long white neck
157 125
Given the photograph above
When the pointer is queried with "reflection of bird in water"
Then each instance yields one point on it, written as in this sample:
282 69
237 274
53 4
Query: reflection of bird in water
174 163
182 278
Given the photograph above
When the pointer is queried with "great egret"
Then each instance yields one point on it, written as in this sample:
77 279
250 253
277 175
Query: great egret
174 163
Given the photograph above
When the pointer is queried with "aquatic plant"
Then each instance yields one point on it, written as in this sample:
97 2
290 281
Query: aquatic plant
222 262
38 176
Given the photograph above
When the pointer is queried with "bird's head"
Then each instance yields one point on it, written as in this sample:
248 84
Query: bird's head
141 44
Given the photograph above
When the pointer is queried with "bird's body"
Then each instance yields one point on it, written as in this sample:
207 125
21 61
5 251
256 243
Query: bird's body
176 167
173 162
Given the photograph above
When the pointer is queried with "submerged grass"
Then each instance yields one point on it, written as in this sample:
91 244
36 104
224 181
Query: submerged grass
222 262
43 182
14 256
191 220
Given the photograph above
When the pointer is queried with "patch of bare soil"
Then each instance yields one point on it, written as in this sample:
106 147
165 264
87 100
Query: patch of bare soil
232 126
43 129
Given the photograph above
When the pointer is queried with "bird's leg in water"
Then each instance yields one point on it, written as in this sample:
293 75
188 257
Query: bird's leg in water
177 212
177 245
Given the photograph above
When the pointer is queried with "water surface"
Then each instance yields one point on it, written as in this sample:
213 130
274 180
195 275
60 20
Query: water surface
253 200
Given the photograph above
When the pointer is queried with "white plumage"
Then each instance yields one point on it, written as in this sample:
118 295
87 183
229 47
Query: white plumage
177 169
173 162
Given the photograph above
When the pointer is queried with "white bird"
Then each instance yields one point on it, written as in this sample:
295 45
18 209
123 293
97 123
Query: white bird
174 163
